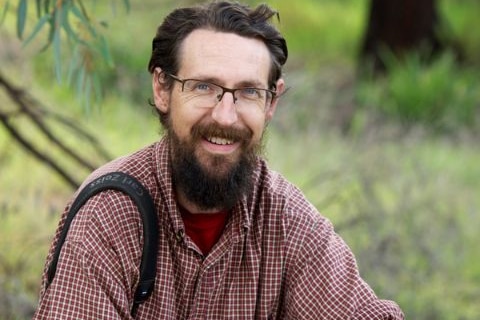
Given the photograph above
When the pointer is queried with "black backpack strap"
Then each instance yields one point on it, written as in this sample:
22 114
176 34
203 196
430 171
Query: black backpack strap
139 194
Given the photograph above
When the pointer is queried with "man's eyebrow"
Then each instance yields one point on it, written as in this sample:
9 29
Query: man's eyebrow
250 84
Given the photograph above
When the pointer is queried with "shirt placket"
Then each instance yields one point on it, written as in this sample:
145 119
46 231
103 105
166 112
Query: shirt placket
204 291
210 276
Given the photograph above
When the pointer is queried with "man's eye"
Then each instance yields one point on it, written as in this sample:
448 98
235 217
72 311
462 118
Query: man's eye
202 86
251 92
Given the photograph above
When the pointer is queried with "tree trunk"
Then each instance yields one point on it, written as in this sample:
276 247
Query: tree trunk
400 26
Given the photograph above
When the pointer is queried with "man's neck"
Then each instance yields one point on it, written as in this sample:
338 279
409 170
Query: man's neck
192 207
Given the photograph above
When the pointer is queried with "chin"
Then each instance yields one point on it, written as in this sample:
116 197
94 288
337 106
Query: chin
218 166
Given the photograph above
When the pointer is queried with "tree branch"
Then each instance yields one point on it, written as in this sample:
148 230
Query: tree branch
33 110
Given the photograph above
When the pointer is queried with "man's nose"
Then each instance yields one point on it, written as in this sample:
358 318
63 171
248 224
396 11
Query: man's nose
225 111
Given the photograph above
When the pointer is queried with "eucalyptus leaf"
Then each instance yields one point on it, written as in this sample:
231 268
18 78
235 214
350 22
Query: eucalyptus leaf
39 8
87 90
71 34
80 80
46 6
21 17
105 52
83 18
79 14
74 65
44 19
97 85
66 23
57 45
127 5
50 32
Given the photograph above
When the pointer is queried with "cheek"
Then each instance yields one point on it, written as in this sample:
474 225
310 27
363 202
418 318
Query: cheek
184 118
256 122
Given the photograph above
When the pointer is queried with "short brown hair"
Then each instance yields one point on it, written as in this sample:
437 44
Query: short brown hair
221 16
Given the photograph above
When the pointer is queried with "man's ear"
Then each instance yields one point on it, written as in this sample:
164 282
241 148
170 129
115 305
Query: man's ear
161 92
273 106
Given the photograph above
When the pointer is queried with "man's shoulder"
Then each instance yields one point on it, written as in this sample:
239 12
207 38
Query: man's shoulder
138 164
285 207
131 163
284 196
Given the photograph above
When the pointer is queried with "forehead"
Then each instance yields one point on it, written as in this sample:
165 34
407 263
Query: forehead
224 56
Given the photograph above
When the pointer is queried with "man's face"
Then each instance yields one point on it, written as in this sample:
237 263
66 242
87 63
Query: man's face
220 138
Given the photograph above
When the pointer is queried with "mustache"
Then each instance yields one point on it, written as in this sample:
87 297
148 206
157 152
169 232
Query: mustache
200 131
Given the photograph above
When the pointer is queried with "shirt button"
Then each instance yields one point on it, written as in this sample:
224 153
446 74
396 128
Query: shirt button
180 234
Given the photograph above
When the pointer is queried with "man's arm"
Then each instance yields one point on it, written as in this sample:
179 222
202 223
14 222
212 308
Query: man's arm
324 282
98 264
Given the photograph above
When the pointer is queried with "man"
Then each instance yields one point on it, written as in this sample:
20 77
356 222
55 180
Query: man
236 240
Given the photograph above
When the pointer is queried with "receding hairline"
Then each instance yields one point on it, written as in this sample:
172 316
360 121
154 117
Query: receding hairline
181 47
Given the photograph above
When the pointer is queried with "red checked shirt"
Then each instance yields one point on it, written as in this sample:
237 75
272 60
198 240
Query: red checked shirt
277 258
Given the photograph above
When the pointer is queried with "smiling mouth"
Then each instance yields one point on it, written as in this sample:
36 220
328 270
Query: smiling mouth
219 141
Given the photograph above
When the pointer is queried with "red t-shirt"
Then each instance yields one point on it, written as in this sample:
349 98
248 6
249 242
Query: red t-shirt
205 229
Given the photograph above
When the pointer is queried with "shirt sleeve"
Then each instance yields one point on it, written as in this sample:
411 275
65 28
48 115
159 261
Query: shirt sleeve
97 266
324 282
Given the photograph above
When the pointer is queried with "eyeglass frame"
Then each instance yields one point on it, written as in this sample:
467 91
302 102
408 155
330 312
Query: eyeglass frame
224 89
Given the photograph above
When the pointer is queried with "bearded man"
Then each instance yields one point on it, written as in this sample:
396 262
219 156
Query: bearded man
236 239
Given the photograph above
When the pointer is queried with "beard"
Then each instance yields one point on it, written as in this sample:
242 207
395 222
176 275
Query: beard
213 181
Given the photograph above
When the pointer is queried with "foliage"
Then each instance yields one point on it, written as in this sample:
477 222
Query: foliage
83 32
440 95
322 29
459 20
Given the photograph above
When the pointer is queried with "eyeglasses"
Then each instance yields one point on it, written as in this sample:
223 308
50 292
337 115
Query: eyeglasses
209 94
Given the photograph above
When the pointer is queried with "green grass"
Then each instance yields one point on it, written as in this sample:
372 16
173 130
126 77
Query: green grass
441 95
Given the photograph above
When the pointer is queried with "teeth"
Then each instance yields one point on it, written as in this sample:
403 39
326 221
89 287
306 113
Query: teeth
220 141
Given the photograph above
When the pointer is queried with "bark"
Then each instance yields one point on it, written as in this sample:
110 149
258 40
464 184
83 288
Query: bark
401 26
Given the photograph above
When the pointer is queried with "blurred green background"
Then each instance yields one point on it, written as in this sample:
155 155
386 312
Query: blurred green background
393 159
